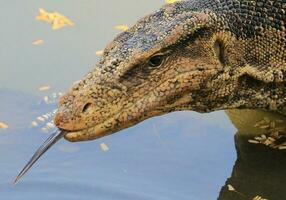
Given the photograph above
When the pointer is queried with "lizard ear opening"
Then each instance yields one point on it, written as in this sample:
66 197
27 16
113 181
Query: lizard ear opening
219 49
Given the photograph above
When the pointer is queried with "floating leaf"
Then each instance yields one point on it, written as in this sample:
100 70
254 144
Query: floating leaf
3 125
253 141
61 21
171 1
41 119
230 188
56 19
46 99
99 53
34 124
258 198
104 147
44 16
44 88
50 125
38 42
122 27
282 147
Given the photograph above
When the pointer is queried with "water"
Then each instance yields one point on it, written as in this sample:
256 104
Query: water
183 155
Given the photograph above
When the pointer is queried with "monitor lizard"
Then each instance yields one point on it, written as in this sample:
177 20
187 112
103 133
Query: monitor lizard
199 55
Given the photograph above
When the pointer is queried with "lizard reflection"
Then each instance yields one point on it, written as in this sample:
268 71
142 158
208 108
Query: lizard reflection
259 171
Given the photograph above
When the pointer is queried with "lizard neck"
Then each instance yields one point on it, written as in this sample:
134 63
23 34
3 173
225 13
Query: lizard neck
254 94
241 92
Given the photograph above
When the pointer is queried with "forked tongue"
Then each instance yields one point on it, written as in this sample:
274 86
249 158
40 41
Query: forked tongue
56 136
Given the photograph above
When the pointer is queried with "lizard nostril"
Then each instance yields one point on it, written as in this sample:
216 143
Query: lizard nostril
86 107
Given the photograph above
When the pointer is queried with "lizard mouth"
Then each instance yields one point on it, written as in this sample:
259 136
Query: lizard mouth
84 134
109 126
125 118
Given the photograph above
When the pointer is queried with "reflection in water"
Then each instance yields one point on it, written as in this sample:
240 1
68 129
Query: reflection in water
259 169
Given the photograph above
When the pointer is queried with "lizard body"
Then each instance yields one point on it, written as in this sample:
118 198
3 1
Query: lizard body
200 55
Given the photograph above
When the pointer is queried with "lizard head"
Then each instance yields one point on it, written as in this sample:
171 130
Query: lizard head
162 64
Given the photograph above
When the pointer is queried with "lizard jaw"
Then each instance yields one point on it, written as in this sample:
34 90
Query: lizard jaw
124 119
108 127
90 133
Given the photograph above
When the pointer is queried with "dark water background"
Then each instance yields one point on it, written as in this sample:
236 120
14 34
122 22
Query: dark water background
180 156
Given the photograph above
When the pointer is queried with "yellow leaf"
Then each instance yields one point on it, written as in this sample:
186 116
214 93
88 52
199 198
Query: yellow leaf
258 198
38 42
282 147
56 19
230 188
52 16
43 16
104 147
3 125
122 27
253 141
56 25
63 19
99 53
44 88
171 1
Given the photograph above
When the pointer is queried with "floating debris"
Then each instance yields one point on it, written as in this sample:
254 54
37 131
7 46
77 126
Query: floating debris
122 27
34 124
232 189
38 42
99 53
53 98
258 198
171 1
56 19
267 123
46 116
50 125
282 147
273 137
44 16
46 99
45 122
104 147
44 88
253 141
3 125
41 119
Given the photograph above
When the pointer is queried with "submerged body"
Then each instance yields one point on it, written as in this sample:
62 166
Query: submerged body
200 55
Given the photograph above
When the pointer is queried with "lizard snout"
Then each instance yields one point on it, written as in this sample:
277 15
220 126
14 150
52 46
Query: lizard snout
72 116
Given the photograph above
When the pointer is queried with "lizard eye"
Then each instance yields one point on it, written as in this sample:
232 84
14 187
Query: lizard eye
156 61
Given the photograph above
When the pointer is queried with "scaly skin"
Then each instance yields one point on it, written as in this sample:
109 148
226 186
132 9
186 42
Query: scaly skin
200 55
